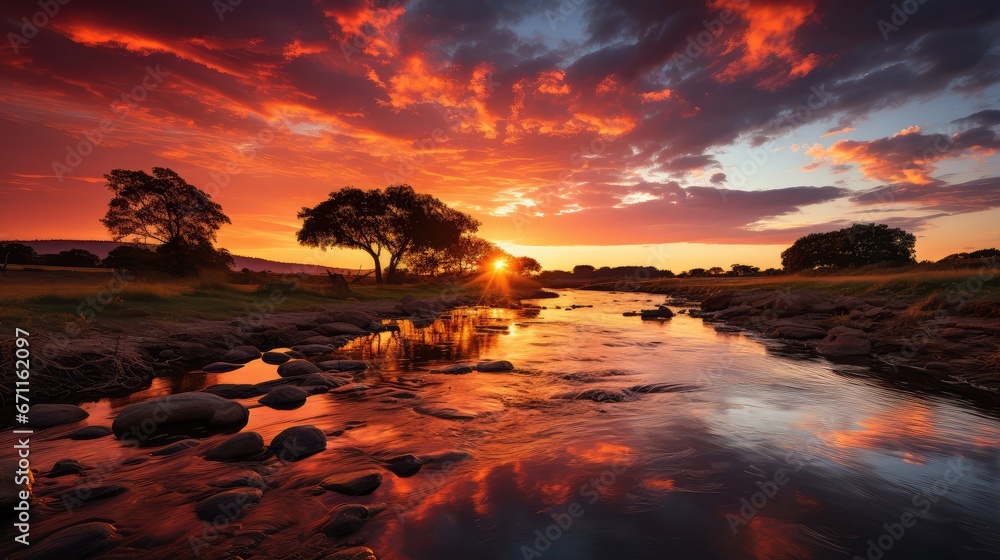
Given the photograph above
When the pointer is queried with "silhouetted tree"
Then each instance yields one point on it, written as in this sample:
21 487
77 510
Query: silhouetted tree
583 271
526 266
133 257
858 245
397 221
744 270
165 208
716 271
73 257
12 252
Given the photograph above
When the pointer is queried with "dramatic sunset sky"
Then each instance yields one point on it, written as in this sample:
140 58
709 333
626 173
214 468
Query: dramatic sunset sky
671 134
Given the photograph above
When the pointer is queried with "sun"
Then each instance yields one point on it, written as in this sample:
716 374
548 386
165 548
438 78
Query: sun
500 264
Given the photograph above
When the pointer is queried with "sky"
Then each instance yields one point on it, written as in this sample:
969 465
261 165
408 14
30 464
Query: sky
667 134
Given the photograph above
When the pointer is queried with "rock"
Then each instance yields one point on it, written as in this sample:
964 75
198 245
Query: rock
717 301
299 442
348 518
796 329
353 553
65 467
241 354
413 306
403 395
90 432
600 395
241 445
81 541
334 329
227 506
314 349
343 365
494 366
353 484
220 367
661 312
804 301
327 380
49 415
234 390
241 479
275 358
455 369
168 354
727 329
849 303
844 341
297 367
286 396
203 410
741 310
175 448
404 465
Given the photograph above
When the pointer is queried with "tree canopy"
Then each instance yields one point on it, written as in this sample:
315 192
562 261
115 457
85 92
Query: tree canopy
165 208
858 245
12 252
395 222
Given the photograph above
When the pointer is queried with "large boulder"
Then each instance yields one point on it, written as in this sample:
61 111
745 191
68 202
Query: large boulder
284 397
796 329
85 540
220 367
239 446
413 306
275 358
241 354
197 409
404 465
49 415
494 366
234 390
718 301
314 349
297 367
844 341
227 506
661 312
298 442
353 484
804 301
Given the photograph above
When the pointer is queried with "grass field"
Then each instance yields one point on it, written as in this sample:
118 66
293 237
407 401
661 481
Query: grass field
977 290
48 298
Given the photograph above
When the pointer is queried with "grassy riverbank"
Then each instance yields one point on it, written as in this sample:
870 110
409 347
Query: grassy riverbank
47 299
979 284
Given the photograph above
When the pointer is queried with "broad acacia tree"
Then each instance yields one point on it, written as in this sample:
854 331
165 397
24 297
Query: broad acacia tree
165 208
858 245
395 223
162 207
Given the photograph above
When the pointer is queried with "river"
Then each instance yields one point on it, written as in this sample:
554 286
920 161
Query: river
705 445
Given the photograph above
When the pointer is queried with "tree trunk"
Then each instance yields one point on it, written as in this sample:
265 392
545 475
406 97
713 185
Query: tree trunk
378 269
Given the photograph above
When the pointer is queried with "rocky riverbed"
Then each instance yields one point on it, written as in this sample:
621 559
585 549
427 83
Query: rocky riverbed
472 430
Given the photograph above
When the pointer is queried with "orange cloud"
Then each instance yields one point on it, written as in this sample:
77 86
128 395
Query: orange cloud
767 42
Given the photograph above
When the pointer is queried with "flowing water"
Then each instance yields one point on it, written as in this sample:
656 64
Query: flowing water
705 445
